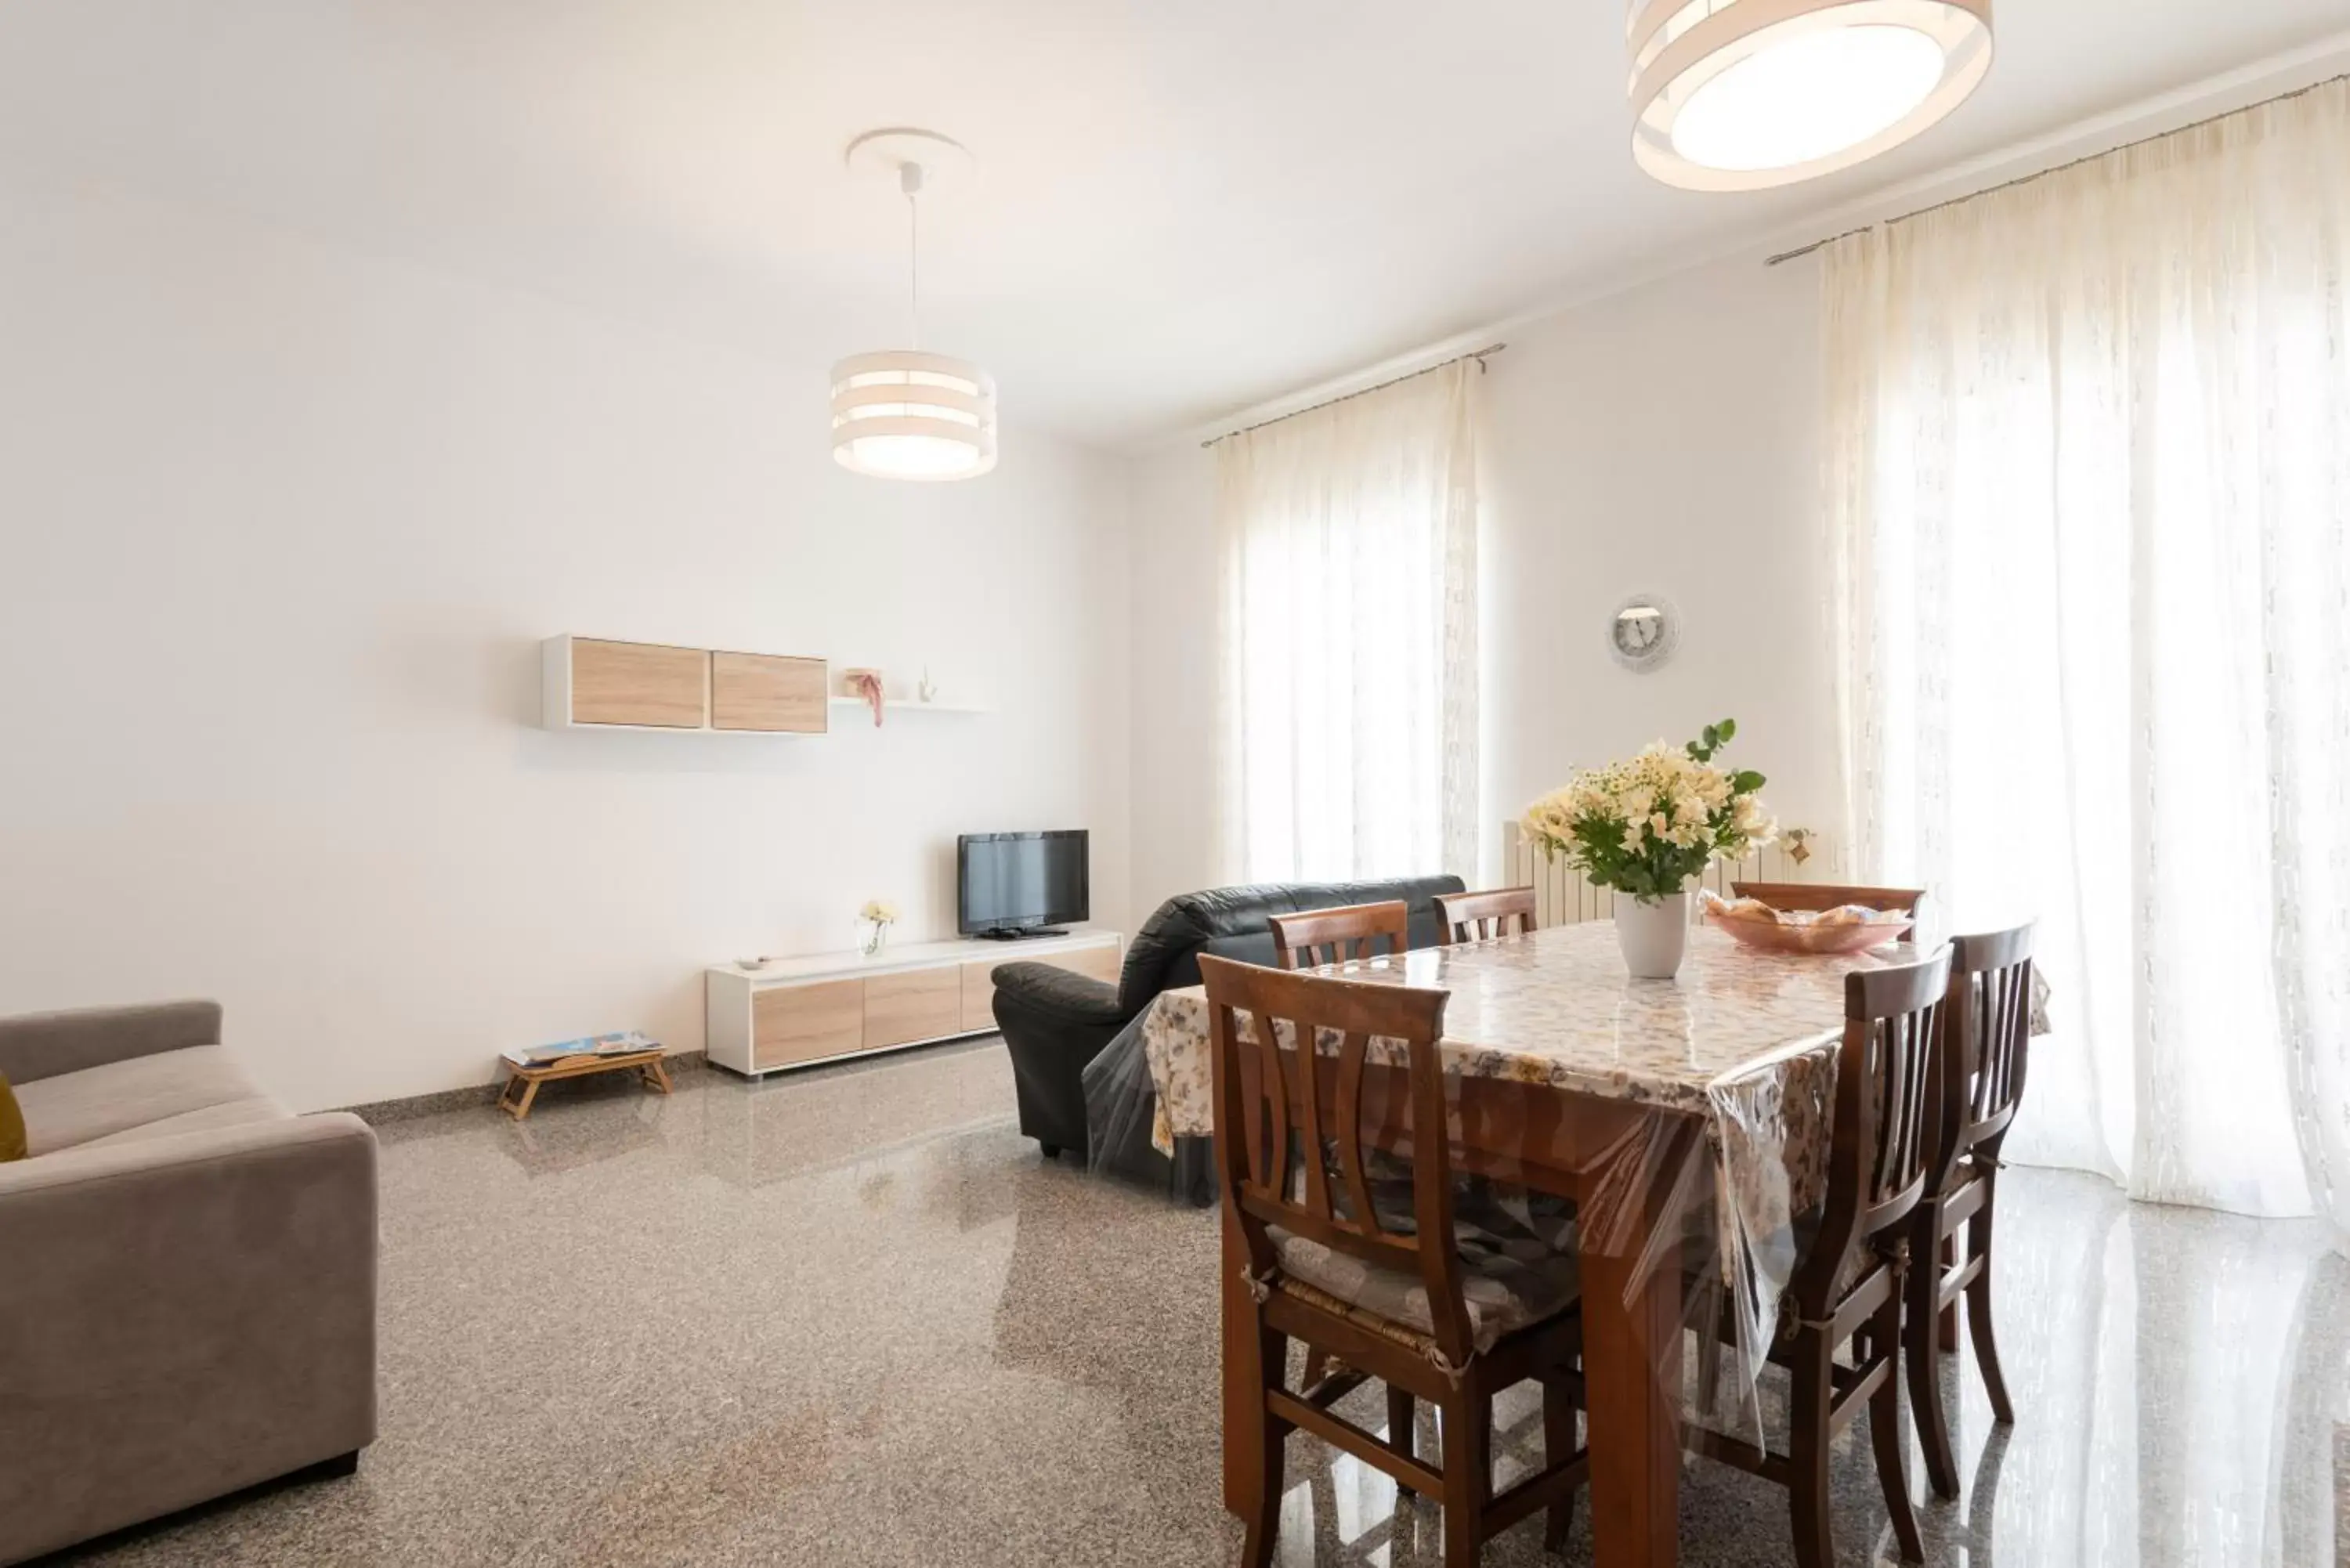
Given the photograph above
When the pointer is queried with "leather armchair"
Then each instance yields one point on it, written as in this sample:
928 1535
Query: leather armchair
1054 1023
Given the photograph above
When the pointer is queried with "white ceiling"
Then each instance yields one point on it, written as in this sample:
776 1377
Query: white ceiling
1183 206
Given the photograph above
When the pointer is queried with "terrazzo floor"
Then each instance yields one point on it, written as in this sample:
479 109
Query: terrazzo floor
851 1318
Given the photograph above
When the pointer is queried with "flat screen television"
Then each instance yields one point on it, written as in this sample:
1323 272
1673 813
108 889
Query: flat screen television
1021 884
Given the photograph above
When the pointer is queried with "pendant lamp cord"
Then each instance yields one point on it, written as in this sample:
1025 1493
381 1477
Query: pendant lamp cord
909 180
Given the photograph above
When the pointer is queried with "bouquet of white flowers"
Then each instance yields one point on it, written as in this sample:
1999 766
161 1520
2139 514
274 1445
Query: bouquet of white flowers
1648 824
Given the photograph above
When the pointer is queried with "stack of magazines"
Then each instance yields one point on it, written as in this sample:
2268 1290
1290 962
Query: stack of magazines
627 1044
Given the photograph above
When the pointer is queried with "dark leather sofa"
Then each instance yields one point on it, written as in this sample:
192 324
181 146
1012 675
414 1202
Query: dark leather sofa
1054 1021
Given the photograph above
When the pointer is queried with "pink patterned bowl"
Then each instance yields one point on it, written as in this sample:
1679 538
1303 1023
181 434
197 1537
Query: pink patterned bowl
1767 935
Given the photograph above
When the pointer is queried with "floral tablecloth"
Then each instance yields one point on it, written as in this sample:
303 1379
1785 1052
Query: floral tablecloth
1743 1038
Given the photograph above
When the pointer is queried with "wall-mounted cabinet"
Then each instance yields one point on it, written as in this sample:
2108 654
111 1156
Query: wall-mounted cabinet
596 684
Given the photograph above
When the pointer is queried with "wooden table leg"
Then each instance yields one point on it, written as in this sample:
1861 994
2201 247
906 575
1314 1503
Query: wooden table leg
1244 1381
1632 1379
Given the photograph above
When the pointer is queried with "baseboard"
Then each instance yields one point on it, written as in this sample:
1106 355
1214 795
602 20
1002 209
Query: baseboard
382 1113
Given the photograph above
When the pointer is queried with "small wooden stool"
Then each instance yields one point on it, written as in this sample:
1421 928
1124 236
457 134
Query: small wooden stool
646 1065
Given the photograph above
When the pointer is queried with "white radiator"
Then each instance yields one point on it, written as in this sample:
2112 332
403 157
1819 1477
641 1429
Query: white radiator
1562 897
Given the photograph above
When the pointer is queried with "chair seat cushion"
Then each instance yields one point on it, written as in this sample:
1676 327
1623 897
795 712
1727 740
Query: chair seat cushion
157 1095
1517 1254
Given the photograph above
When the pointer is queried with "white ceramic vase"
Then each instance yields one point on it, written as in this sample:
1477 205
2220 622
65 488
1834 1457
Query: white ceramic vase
1653 936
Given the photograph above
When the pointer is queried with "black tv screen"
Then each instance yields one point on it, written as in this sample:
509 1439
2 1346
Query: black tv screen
1010 881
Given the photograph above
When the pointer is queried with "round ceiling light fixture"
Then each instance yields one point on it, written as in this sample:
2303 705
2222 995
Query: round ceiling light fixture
1743 95
908 413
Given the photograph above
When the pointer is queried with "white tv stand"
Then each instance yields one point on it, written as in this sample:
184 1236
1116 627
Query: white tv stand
799 1011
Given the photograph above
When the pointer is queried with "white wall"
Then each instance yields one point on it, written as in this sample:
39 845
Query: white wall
1664 441
281 527
1174 663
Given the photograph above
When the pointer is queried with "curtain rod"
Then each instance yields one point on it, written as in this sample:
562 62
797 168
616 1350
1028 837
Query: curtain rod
2057 168
1477 354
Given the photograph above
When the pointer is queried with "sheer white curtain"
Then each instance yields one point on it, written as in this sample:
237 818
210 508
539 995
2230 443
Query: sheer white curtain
2089 492
1348 541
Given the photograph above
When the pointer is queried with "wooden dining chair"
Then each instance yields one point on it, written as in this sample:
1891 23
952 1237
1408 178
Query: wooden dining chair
1342 934
1986 1022
1817 896
1848 1286
1474 917
1368 1267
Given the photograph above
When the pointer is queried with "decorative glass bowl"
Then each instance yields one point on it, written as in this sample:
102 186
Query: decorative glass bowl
1770 932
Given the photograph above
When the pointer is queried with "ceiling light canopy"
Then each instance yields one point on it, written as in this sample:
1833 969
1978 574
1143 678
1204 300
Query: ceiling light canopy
906 413
1742 95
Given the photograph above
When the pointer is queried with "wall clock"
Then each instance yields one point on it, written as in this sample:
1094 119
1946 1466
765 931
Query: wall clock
1643 632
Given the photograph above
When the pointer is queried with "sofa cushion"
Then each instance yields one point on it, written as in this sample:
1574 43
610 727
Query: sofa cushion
120 1098
227 1114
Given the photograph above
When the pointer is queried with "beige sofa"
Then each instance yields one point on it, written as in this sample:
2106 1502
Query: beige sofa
187 1278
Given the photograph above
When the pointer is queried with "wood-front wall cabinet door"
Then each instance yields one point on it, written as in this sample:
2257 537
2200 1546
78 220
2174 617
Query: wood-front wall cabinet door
919 1005
803 1022
638 683
761 691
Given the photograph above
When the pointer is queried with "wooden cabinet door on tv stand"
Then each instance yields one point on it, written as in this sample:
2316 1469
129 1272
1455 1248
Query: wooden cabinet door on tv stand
1102 963
917 1004
804 1022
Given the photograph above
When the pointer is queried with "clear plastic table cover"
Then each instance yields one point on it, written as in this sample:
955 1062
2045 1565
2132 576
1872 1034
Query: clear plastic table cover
1711 1145
1125 1135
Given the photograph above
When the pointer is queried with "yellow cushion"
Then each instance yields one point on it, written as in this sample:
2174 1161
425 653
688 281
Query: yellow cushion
12 1124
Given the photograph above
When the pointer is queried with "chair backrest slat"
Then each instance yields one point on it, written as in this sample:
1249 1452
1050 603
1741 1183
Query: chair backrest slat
1253 1073
1354 1049
1886 1069
1479 917
1268 1125
1308 1057
1987 1023
1317 936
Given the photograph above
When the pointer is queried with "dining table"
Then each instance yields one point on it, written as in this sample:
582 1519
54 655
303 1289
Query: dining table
1683 1118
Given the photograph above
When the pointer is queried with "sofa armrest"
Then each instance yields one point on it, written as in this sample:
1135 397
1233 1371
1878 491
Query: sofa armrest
187 1316
43 1044
1061 994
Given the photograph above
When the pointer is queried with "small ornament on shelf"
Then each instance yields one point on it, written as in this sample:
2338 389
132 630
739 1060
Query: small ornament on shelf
866 683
